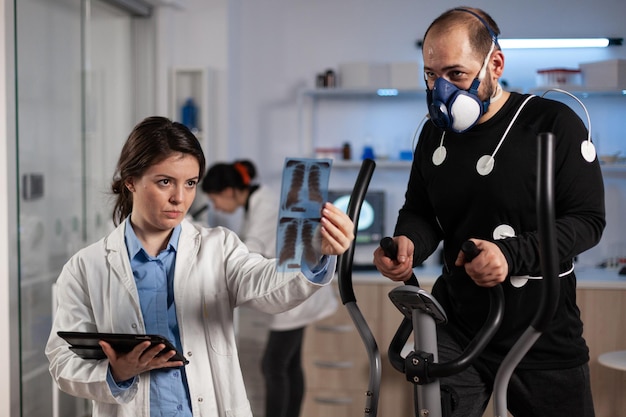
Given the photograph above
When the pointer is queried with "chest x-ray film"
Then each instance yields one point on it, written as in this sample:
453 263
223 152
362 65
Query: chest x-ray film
304 190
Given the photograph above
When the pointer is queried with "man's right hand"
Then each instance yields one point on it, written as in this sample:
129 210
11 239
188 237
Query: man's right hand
400 269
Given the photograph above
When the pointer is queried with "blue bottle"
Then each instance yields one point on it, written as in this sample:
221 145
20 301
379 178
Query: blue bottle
190 115
368 152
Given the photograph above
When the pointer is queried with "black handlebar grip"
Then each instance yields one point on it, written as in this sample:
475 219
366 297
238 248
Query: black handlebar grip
470 250
389 248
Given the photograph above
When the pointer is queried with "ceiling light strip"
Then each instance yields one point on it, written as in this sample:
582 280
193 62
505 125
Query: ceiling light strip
534 43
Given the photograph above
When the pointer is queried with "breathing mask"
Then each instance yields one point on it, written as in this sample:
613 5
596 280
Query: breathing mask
453 109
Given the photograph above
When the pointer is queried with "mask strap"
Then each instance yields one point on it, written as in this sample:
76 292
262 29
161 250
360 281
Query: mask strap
481 74
494 41
497 94
483 70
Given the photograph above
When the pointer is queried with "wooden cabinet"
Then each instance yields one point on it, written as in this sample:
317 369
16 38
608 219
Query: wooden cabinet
603 312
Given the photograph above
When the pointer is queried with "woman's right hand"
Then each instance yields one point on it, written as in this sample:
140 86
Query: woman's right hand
337 230
400 269
142 358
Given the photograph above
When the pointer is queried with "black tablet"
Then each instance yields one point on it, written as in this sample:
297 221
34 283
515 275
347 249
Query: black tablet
85 344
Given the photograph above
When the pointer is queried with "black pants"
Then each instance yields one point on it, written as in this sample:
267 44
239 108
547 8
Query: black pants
282 370
531 393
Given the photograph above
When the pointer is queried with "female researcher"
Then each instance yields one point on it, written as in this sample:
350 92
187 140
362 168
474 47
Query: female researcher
230 186
158 273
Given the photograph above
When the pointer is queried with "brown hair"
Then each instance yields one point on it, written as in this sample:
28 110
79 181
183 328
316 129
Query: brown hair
151 141
480 32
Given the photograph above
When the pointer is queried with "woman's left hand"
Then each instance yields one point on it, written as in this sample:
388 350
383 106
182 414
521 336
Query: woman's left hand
337 230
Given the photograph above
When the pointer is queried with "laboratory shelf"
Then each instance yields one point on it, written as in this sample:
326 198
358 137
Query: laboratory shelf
359 93
381 163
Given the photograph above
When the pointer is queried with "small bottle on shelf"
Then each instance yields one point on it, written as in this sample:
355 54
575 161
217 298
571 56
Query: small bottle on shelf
331 79
190 115
368 152
346 151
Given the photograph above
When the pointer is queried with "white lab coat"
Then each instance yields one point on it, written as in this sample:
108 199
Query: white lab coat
258 230
214 274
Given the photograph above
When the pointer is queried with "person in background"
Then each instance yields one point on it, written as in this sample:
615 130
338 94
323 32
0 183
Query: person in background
230 186
157 273
474 177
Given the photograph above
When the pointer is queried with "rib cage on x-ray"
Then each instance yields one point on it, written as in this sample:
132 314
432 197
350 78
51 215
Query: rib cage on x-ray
304 191
295 230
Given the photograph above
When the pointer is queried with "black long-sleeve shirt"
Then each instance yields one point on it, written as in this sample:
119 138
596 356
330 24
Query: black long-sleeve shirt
453 202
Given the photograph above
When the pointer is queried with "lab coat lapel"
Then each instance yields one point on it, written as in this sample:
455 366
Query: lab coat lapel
188 246
117 256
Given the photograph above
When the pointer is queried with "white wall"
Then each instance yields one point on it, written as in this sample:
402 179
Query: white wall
195 37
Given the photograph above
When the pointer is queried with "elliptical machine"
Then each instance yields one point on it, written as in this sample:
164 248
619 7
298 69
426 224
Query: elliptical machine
422 312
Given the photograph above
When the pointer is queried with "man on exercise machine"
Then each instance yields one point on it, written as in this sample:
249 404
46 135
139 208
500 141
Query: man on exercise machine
473 177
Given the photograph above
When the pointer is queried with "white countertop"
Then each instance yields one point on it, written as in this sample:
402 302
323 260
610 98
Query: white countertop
615 360
600 278
588 277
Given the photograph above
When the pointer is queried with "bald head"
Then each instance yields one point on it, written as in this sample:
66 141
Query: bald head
480 29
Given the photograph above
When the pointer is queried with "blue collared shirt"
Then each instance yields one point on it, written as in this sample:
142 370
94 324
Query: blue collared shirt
154 276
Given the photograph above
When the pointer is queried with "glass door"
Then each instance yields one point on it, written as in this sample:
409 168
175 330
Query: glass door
74 111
